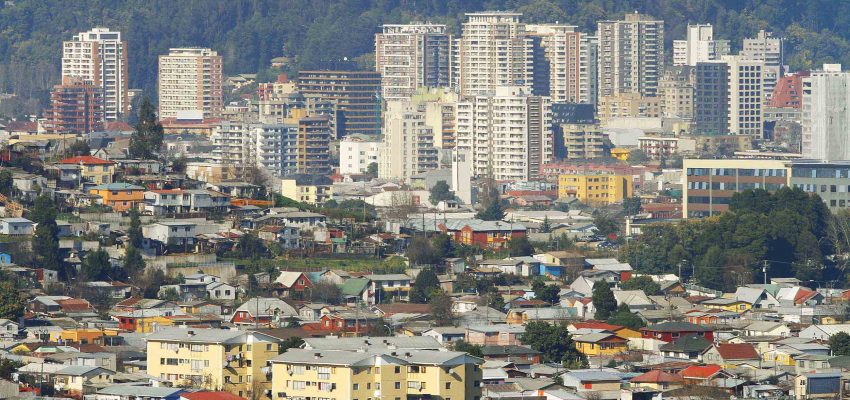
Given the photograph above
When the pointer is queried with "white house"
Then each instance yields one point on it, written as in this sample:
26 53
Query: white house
8 329
221 291
823 332
173 233
446 334
16 226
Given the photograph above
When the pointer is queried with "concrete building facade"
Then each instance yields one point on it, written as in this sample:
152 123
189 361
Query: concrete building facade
570 58
356 153
408 145
190 79
99 56
768 49
75 106
631 55
825 116
412 56
356 94
698 46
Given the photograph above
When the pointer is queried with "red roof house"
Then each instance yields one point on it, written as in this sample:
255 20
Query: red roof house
86 160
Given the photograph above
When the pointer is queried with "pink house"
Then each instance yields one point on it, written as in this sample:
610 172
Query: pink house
495 335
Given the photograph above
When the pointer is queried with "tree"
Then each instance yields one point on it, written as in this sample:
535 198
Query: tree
637 157
420 252
492 212
625 317
839 344
12 302
426 283
372 169
326 292
519 246
43 210
45 248
169 294
146 140
133 264
549 294
443 246
78 148
603 300
644 283
250 247
546 226
7 183
605 225
441 308
135 230
96 266
495 300
631 205
468 348
178 165
554 342
440 192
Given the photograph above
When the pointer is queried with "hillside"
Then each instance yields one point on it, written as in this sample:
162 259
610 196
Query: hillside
333 34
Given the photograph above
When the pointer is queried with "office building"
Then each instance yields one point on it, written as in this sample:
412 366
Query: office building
99 56
596 189
698 46
493 51
767 49
412 56
829 180
508 134
676 90
76 106
631 55
356 153
356 94
569 57
710 184
408 145
826 117
711 98
190 80
213 359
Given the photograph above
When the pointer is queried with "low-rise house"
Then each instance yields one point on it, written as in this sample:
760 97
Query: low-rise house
520 355
483 234
634 299
307 188
787 354
657 380
501 335
824 385
16 227
732 305
304 220
390 286
177 235
669 331
263 311
592 380
91 169
138 392
730 355
289 237
756 297
767 328
702 374
823 332
292 284
355 290
77 380
8 329
446 334
119 196
685 348
177 201
600 344
348 323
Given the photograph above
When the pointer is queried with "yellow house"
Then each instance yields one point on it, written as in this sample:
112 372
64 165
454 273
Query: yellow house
621 153
213 359
119 196
93 169
732 305
310 189
378 374
82 336
595 188
600 344
72 380
782 356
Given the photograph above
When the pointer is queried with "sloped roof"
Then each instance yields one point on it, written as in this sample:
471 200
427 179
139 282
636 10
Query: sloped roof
288 278
687 344
700 371
737 351
354 286
656 376
86 160
673 326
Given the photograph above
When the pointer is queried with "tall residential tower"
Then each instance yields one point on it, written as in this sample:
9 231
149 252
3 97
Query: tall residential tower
99 56
412 56
190 80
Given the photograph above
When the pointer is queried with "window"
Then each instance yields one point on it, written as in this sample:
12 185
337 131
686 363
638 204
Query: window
448 385
356 386
398 385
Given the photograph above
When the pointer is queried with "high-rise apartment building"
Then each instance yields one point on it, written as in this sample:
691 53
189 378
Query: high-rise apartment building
356 153
190 80
356 94
493 51
270 147
711 97
408 143
728 97
412 56
569 57
631 55
826 114
440 107
508 134
314 138
75 106
99 56
767 49
698 46
676 90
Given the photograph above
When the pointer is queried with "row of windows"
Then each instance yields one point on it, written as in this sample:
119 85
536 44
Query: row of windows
732 172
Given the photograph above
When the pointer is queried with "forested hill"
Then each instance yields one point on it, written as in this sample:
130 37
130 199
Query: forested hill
323 33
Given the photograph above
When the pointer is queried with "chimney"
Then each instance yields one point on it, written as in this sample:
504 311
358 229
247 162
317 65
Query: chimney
191 333
317 355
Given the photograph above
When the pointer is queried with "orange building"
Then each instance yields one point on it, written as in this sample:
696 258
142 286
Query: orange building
119 196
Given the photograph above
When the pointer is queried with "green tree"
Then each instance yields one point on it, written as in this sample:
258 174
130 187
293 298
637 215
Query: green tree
169 294
546 226
549 294
133 264
839 344
708 271
443 246
43 210
178 165
495 300
637 157
45 248
420 251
605 225
554 342
250 247
625 317
293 342
441 308
492 212
440 192
12 302
96 266
645 283
466 347
631 205
603 301
134 232
146 140
7 183
372 169
519 246
424 285
78 148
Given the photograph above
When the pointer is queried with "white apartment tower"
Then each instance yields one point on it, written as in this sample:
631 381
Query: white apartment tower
508 135
271 147
100 56
190 79
631 55
493 51
412 56
356 153
768 49
745 85
571 58
408 143
698 46
826 114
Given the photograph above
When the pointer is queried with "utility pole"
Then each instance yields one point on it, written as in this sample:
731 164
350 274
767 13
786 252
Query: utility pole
680 272
764 270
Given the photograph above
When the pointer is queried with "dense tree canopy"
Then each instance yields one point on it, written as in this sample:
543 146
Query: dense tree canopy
603 300
554 342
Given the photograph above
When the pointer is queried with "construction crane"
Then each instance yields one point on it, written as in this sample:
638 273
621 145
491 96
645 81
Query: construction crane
13 208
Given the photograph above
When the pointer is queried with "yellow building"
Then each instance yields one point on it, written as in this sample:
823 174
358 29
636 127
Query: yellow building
781 356
732 305
380 374
92 169
83 336
119 196
600 344
213 359
620 153
310 189
595 189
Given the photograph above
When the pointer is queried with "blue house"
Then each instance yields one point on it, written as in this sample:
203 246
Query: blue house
5 258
